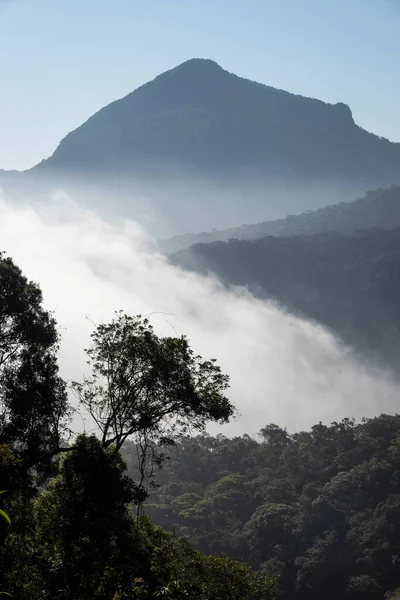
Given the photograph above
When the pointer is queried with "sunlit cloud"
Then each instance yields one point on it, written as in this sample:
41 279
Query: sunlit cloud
283 369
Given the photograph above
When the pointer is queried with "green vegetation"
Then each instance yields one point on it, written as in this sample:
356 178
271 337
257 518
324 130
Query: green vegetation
299 516
78 539
149 387
70 526
320 509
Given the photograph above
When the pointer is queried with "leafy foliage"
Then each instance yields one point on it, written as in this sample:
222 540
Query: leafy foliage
84 543
149 388
320 509
3 513
193 575
82 527
33 401
34 409
73 536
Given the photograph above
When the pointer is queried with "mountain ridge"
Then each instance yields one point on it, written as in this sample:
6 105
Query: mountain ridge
200 113
199 148
348 282
377 208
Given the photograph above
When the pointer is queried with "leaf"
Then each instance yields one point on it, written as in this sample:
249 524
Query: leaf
7 518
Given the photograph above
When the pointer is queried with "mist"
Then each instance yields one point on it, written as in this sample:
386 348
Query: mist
183 199
283 369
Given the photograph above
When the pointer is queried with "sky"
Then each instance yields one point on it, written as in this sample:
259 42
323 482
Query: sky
62 60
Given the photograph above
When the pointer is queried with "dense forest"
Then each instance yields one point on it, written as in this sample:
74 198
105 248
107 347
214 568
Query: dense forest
71 520
377 208
348 282
319 508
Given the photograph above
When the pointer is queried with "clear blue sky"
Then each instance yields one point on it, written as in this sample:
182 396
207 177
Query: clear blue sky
61 60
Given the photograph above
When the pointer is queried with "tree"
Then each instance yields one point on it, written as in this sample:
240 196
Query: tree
82 544
147 387
320 509
275 436
363 587
33 400
186 573
84 540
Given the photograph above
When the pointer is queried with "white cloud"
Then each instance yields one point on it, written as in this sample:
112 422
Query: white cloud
282 369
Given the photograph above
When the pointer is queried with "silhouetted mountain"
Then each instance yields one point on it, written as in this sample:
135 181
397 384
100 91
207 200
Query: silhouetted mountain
201 115
348 282
200 148
378 208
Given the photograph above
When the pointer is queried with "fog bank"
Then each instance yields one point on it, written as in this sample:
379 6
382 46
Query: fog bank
283 369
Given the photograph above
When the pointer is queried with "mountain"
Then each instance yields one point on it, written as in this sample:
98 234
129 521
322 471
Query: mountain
377 208
200 115
348 282
200 148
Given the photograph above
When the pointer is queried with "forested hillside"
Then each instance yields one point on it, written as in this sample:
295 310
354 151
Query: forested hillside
377 208
71 520
320 508
348 282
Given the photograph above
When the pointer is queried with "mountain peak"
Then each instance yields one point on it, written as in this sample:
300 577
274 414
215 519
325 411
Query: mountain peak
202 116
199 63
202 70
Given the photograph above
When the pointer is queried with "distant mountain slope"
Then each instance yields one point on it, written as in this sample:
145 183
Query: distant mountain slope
201 115
200 148
350 283
378 208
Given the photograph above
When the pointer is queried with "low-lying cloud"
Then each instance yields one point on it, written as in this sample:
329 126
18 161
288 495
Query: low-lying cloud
283 369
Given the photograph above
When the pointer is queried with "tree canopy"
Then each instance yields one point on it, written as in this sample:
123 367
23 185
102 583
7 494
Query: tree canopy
33 401
313 513
149 386
67 527
319 508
